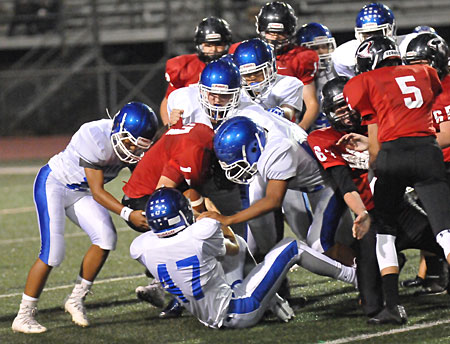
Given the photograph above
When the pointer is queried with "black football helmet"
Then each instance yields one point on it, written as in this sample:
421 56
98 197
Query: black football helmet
340 116
277 17
212 30
430 47
376 52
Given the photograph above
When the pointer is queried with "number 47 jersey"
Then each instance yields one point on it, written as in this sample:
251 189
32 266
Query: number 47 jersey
187 266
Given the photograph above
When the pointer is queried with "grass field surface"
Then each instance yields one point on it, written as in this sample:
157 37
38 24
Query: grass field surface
331 313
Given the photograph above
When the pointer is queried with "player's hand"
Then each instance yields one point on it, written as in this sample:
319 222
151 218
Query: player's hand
175 115
354 141
224 220
138 219
361 225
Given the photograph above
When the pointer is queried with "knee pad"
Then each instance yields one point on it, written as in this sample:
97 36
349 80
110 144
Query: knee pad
443 239
386 253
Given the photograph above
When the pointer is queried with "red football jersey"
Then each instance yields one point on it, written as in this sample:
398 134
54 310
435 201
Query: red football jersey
398 98
182 71
323 143
300 62
180 154
441 110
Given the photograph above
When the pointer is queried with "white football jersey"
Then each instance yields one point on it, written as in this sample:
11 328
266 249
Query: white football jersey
187 99
286 90
285 159
89 147
187 266
344 56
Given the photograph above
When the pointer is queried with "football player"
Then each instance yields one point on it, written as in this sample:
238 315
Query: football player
72 185
318 37
429 48
201 264
272 91
276 24
212 40
349 169
270 163
397 110
372 19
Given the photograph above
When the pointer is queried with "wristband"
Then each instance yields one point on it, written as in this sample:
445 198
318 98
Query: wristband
365 212
125 213
197 202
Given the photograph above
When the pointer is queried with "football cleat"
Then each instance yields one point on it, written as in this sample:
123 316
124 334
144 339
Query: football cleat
74 304
413 283
173 310
396 316
153 293
25 321
281 308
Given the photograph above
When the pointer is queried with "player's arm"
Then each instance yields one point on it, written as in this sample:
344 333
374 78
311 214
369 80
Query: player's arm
290 112
443 136
374 145
311 104
275 191
96 184
343 179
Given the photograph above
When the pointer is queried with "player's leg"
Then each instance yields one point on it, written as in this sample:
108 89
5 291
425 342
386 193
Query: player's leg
256 293
330 214
297 213
95 220
49 202
388 195
434 193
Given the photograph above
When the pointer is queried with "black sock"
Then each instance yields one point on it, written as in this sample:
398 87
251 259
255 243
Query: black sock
390 290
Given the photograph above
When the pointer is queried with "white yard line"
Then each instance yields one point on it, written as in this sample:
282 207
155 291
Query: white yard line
68 235
107 280
16 210
390 332
19 170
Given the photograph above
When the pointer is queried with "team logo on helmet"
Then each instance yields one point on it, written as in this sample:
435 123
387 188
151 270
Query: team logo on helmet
279 27
364 50
213 37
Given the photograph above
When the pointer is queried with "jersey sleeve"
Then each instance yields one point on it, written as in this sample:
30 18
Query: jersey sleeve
190 165
436 85
307 61
441 107
92 144
357 96
292 93
324 147
279 160
211 235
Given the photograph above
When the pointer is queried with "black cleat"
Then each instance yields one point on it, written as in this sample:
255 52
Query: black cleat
396 316
431 287
413 283
173 310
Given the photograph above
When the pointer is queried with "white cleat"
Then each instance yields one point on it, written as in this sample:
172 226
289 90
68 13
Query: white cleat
74 304
25 321
153 293
281 308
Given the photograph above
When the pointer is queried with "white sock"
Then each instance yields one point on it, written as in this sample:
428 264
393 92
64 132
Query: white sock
347 274
29 301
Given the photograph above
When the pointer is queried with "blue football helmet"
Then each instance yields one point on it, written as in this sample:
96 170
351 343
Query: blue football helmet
168 212
238 144
314 35
424 28
134 125
255 56
374 18
220 78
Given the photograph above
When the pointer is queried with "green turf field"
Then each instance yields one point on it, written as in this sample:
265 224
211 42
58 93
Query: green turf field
330 315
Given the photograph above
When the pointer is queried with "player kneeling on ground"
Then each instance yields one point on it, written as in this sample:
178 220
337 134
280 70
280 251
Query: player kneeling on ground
202 264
